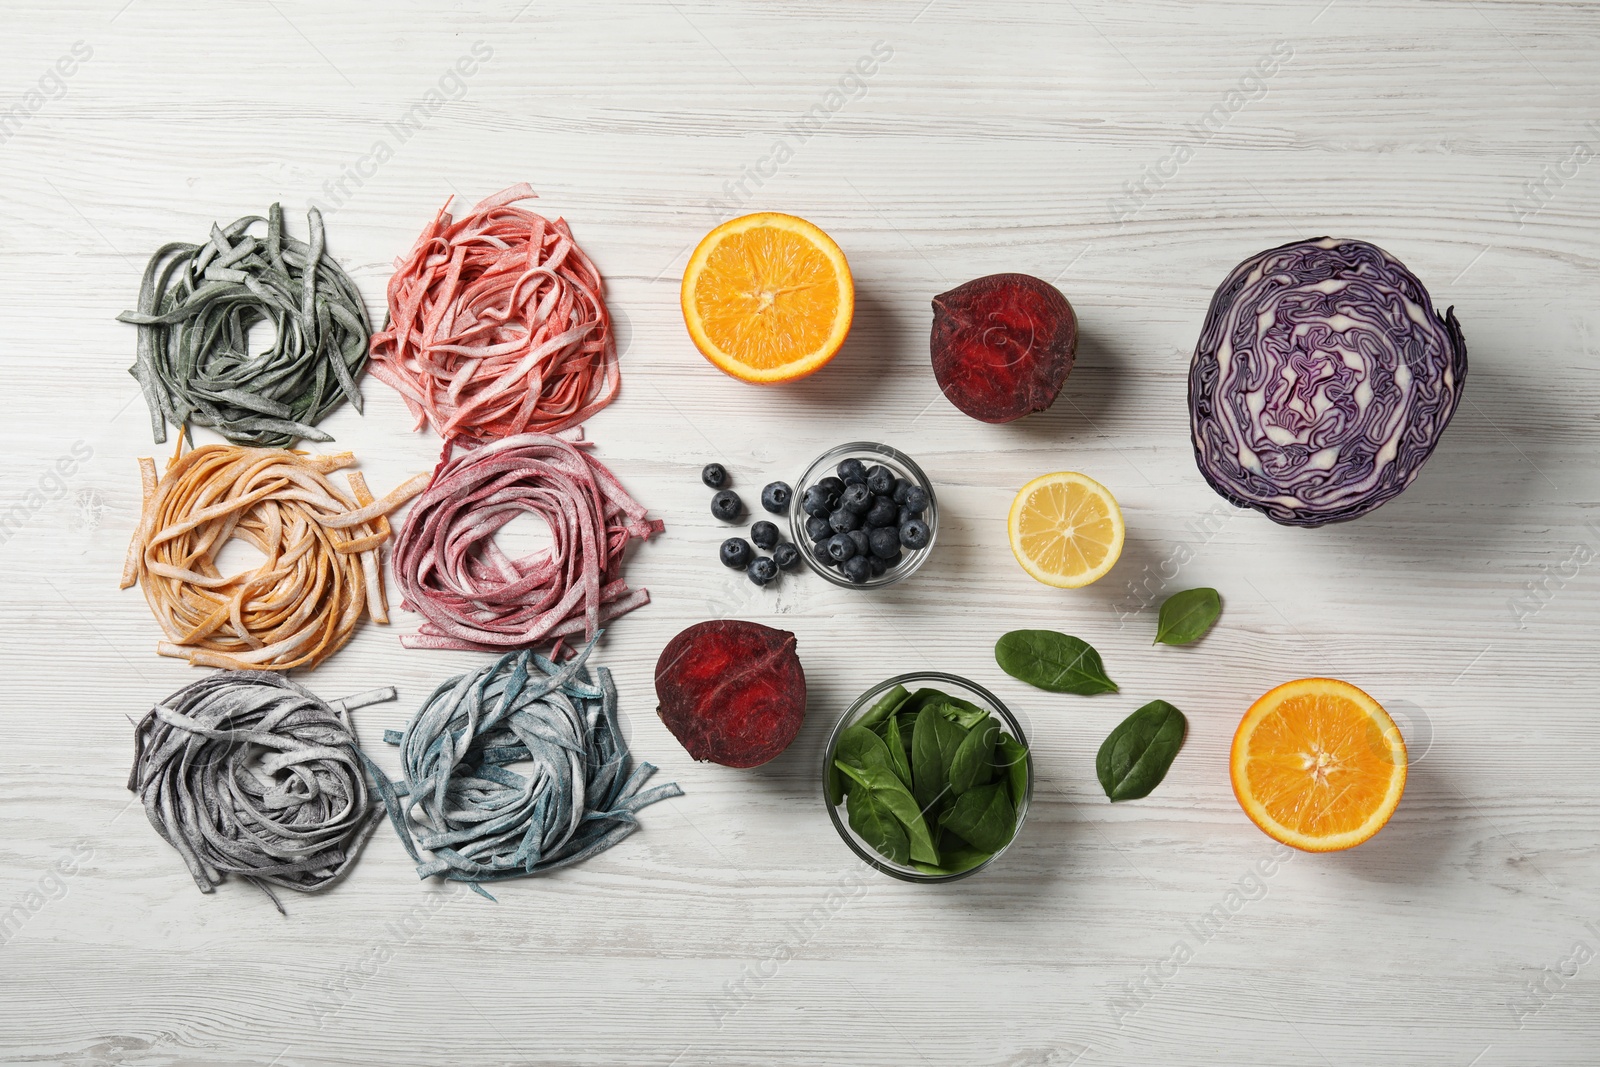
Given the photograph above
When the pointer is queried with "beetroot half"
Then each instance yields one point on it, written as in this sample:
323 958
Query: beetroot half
731 692
1002 345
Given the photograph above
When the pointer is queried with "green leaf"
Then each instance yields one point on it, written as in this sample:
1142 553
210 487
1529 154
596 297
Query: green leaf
954 861
893 795
1187 615
1011 757
973 763
934 741
884 707
835 786
984 817
1058 663
877 826
963 713
860 747
1135 757
897 751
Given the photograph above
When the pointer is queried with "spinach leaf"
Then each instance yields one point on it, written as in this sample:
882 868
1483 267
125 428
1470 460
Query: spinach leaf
983 817
963 713
1058 663
1187 615
871 818
884 707
954 861
888 791
1135 757
973 763
934 741
897 751
1010 756
860 747
835 784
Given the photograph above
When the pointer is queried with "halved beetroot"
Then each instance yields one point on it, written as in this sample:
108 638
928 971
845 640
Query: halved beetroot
1002 345
731 692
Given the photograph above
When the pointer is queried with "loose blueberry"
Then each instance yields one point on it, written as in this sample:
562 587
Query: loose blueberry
776 496
880 479
818 529
834 487
844 520
915 534
816 501
727 506
901 486
876 566
916 499
764 534
885 542
857 498
735 552
858 569
883 513
863 542
785 555
852 470
840 547
762 570
715 475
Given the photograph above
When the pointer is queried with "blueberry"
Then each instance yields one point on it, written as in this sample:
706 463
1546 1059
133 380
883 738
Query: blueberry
764 534
858 569
915 534
876 566
818 529
762 570
844 520
916 499
852 470
883 513
901 487
834 487
863 542
885 542
816 501
715 475
906 515
785 555
727 506
776 496
890 561
819 551
735 552
857 498
880 479
840 547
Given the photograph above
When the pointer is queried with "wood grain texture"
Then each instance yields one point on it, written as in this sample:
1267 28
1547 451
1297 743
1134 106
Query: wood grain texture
735 928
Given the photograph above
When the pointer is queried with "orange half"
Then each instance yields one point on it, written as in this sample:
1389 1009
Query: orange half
1318 764
768 297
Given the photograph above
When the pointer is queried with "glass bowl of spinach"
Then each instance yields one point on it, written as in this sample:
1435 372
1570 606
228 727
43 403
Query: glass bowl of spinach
927 777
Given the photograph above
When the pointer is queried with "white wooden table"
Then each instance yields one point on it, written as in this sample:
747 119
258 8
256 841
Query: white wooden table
735 928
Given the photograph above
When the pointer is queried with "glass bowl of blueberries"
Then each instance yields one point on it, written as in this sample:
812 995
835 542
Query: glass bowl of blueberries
864 515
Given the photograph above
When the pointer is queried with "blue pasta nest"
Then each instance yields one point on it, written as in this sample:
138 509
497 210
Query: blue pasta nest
575 791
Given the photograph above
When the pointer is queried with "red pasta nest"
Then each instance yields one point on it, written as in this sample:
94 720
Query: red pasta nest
497 325
473 595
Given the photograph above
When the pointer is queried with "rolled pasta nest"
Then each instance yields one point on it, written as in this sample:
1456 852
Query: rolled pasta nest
498 325
247 773
320 575
513 769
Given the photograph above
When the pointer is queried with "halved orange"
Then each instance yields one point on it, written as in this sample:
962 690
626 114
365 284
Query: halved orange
1066 529
768 297
1318 764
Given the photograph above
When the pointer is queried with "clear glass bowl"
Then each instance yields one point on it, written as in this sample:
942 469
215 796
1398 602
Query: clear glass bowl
867 452
954 686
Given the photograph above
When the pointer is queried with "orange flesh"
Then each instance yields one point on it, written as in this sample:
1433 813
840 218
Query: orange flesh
767 297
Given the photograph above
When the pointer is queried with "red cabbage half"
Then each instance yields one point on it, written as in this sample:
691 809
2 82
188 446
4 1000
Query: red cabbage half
1321 382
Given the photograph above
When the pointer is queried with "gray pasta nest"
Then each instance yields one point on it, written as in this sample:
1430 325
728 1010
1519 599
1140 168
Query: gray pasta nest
514 769
247 773
197 304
